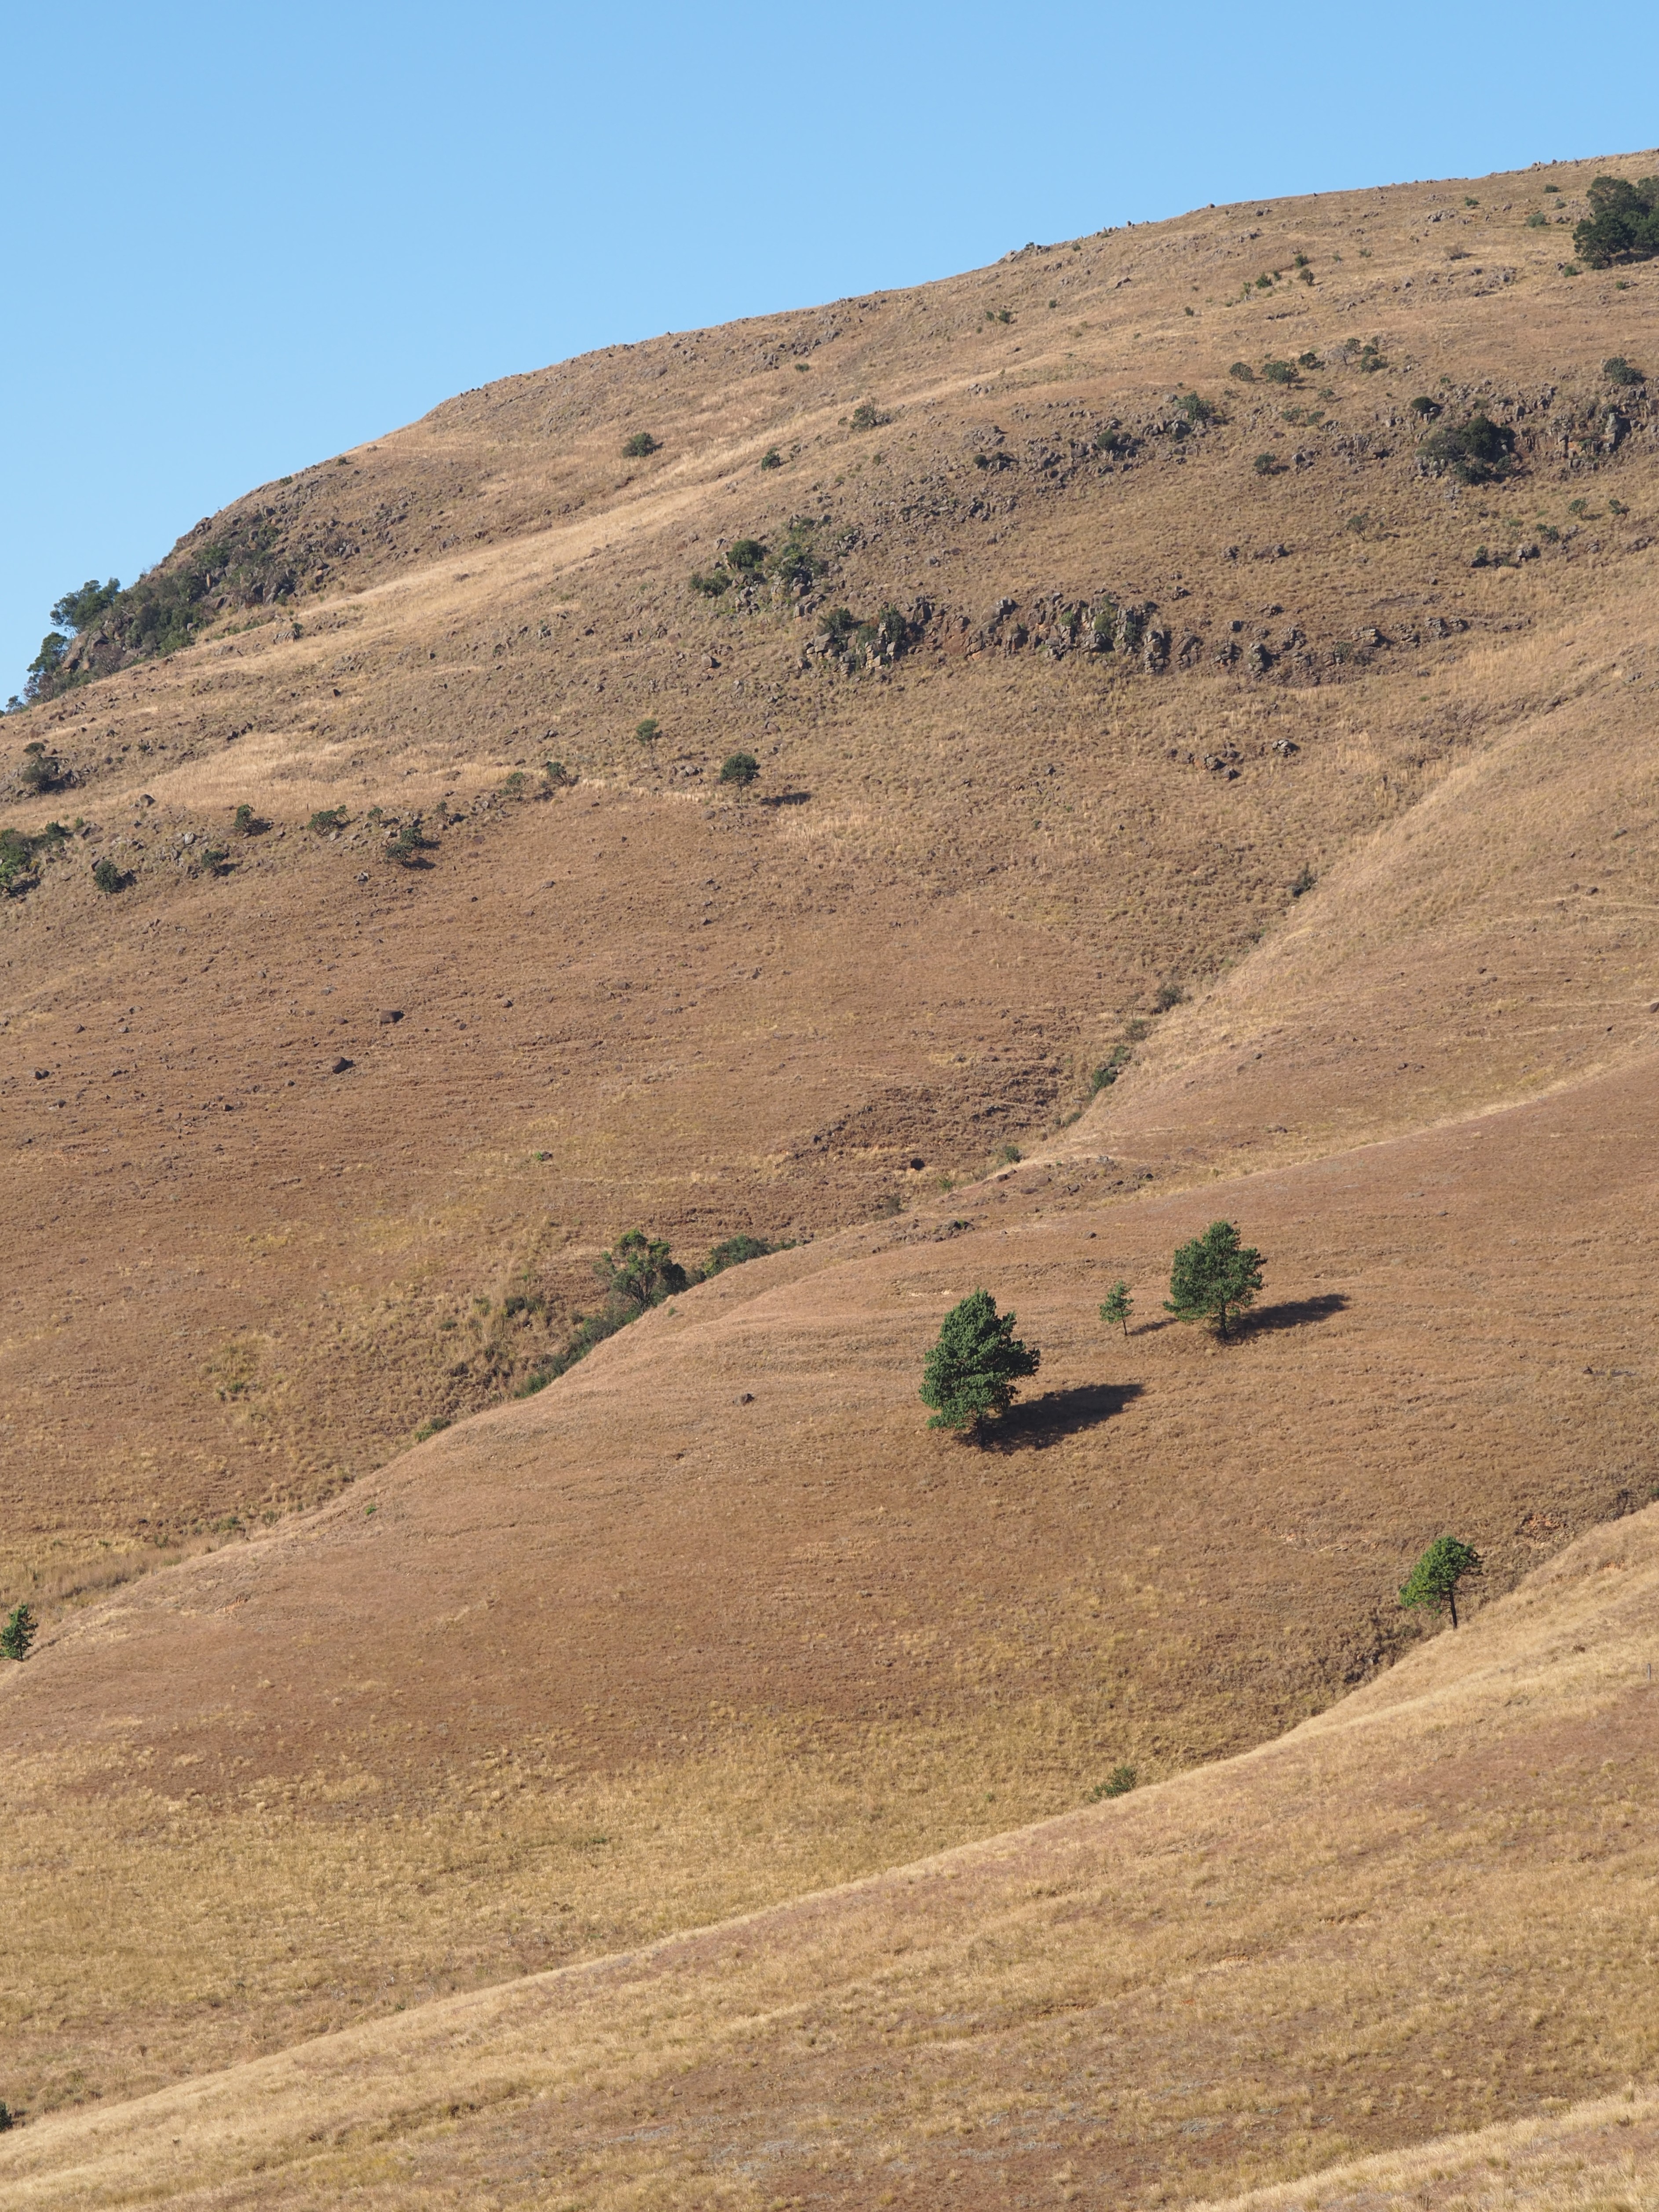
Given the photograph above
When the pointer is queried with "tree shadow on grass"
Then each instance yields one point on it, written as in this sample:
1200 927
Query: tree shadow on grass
1290 1313
1031 1423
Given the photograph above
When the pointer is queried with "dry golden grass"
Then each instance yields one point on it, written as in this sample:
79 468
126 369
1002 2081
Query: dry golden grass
714 1624
1425 1911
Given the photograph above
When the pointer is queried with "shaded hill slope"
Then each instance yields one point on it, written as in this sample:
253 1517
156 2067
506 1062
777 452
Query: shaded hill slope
1427 1909
243 1279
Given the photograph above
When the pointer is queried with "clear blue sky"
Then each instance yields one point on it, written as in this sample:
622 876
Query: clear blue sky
236 240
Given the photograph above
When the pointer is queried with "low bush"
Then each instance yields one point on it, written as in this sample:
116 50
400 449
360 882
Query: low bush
739 768
1427 407
1281 372
1478 451
108 878
772 459
1118 1783
20 850
1196 409
641 446
866 415
734 1252
1267 464
1242 371
1168 996
747 557
712 584
1618 370
327 819
648 730
406 848
40 770
1111 1067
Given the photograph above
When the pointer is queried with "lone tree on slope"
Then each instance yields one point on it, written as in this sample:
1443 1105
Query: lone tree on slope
1213 1277
1433 1581
18 1633
970 1373
1116 1307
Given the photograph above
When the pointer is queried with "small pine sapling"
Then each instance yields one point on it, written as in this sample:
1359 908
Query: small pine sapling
1116 1307
971 1372
19 1632
1213 1277
1433 1581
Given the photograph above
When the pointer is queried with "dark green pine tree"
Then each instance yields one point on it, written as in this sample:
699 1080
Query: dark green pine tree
18 1633
1213 1277
970 1374
1433 1581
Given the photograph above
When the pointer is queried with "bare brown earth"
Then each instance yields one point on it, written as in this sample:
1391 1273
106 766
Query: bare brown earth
714 1622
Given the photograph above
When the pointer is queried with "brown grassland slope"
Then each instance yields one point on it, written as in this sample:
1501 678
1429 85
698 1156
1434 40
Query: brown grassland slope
359 1848
1427 1909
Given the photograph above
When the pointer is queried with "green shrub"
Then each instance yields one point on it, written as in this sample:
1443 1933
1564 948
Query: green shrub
735 1252
328 819
1168 996
1537 220
1118 1783
1111 1067
1478 451
1242 371
712 585
107 877
648 730
242 820
797 564
772 459
19 1632
1281 372
1618 370
1007 1156
40 770
866 415
1370 359
1267 464
747 557
406 848
739 768
640 447
1623 224
1307 359
1425 406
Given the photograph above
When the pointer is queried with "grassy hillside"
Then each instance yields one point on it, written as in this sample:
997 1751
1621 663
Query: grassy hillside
1426 1910
635 999
1313 802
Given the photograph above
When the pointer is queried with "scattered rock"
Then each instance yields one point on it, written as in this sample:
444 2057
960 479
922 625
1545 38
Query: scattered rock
341 1066
745 1397
389 1014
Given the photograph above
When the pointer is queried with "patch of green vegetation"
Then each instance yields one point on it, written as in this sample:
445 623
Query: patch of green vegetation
971 1373
1478 451
641 446
20 851
328 819
1213 1277
1618 370
1433 1581
1623 223
739 768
